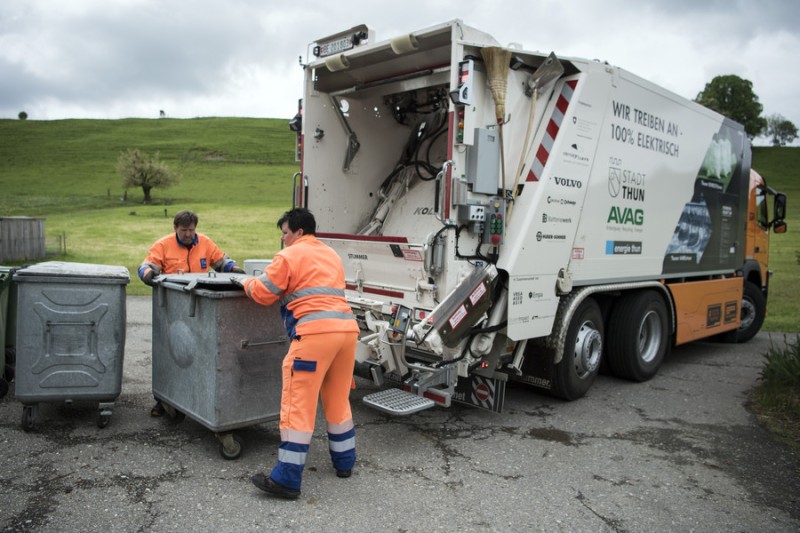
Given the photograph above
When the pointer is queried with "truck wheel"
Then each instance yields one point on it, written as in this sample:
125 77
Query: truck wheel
754 309
638 334
583 346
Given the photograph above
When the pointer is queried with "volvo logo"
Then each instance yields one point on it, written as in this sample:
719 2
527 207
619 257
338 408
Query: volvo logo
568 182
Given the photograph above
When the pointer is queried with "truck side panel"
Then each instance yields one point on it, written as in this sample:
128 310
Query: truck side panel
705 308
636 184
546 215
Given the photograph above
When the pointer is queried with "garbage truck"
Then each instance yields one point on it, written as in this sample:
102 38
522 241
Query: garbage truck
509 215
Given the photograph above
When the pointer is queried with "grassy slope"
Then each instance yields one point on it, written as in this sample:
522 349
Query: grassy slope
237 175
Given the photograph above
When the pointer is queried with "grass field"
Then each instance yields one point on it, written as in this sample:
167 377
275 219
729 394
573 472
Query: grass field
237 175
779 167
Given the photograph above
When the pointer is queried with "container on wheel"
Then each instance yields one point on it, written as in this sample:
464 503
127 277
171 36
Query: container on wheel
8 321
217 355
70 335
256 267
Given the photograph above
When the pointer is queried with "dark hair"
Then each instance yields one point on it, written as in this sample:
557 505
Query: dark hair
299 218
185 218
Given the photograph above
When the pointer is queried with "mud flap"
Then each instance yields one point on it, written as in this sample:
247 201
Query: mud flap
479 391
537 371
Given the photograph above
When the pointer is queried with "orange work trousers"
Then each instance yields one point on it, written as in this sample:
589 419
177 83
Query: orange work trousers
317 366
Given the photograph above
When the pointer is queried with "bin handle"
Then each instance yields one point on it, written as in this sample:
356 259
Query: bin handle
248 343
189 287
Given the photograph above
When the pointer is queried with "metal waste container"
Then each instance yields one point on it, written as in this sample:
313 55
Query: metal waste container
8 324
256 267
70 337
217 355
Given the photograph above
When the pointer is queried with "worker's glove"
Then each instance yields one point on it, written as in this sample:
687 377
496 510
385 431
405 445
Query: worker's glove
238 281
236 270
148 277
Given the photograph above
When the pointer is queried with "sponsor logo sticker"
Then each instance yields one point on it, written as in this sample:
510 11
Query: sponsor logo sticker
623 247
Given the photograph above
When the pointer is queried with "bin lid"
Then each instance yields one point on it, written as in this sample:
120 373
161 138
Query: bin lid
209 279
73 270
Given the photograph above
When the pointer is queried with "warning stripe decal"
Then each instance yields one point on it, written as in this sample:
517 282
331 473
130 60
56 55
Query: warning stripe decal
546 147
486 398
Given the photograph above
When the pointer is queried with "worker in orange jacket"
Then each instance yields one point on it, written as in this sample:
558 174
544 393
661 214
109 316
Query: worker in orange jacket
184 251
307 278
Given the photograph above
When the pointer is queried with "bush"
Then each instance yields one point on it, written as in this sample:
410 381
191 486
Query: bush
782 367
776 401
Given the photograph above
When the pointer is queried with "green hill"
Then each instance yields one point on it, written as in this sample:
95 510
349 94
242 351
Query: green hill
237 175
69 165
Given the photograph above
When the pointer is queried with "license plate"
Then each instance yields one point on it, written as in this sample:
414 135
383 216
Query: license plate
334 47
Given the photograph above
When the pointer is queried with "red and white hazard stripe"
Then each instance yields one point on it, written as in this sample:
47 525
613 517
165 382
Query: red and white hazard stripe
483 392
552 130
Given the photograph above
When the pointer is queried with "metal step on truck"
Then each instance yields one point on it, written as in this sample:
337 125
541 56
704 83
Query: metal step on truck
505 214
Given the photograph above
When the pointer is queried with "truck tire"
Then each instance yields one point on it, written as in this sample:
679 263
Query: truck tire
583 348
754 309
638 335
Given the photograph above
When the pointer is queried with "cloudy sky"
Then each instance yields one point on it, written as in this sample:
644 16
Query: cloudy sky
198 58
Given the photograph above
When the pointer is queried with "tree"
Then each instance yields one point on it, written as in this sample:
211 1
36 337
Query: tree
23 115
781 130
139 169
733 97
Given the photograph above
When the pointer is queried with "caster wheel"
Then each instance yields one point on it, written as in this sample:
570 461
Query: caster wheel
230 446
28 417
174 414
103 420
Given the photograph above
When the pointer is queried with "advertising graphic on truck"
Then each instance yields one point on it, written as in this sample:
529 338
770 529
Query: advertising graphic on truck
512 215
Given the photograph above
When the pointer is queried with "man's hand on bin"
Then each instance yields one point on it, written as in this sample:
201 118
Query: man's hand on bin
236 270
238 281
148 277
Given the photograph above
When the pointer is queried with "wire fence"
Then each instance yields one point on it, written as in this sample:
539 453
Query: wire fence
56 245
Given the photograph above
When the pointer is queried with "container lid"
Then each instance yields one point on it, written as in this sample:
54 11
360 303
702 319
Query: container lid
209 279
82 270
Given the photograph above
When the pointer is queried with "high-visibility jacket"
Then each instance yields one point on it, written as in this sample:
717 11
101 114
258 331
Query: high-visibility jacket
169 255
308 280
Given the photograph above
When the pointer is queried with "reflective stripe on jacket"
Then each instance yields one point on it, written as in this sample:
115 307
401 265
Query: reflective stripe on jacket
308 280
168 255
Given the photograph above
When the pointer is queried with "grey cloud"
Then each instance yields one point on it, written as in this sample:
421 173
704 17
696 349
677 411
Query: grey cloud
240 57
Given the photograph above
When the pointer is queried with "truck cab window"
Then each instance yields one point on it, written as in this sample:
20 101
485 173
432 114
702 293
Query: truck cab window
761 208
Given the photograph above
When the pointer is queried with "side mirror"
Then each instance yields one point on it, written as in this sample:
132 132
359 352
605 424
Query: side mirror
296 124
779 211
779 227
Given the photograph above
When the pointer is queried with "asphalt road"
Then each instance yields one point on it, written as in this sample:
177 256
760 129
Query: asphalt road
678 453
